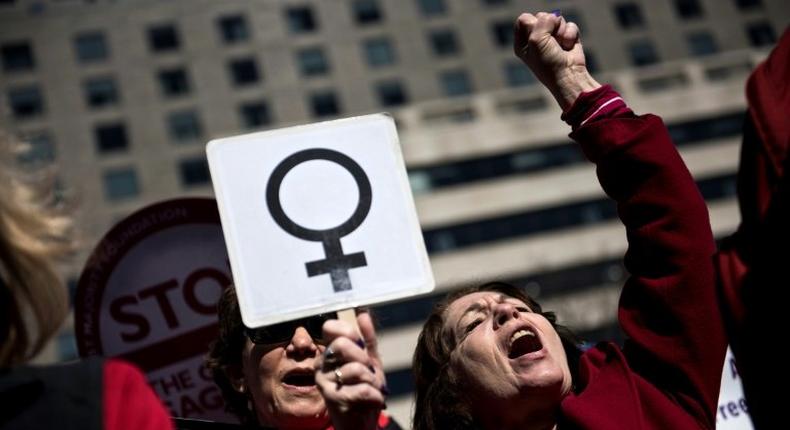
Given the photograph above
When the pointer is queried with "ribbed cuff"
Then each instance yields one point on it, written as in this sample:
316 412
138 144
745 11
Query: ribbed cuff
592 105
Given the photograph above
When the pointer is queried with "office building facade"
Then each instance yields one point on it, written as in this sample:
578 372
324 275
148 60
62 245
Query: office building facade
123 95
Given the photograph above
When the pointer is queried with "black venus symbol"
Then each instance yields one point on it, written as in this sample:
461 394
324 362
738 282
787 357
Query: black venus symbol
336 263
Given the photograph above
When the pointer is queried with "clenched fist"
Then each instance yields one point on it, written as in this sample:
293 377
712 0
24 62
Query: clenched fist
551 47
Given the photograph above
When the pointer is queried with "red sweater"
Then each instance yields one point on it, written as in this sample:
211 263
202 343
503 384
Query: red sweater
129 402
667 375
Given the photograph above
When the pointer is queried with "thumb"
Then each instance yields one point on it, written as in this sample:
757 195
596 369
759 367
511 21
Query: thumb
368 332
569 36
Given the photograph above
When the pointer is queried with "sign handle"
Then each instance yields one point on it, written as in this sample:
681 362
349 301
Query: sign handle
349 316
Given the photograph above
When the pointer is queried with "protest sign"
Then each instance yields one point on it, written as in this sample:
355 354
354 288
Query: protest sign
149 293
318 218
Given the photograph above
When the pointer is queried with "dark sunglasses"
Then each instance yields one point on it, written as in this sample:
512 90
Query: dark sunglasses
283 332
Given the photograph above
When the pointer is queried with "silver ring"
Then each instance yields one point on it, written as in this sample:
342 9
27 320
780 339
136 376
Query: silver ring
338 377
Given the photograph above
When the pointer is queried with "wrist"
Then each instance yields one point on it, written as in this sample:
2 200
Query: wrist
571 84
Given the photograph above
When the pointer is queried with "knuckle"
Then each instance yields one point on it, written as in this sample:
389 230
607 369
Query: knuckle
341 345
368 392
355 367
526 18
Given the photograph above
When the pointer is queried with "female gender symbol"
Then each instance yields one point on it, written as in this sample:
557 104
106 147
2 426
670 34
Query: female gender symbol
336 263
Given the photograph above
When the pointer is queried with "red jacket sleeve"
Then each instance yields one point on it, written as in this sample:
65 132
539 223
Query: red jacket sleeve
668 307
129 402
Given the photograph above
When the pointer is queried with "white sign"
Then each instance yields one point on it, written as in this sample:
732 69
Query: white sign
733 412
318 218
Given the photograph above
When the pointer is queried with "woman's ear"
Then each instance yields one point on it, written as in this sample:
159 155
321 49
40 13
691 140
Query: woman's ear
236 378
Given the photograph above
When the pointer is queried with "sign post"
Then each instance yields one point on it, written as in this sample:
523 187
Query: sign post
318 218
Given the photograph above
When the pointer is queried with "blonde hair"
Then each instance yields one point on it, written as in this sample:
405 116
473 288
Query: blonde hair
34 235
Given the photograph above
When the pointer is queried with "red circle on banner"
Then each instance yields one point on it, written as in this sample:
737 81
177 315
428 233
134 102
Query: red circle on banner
148 295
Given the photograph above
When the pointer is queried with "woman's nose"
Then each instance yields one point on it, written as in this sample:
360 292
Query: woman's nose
302 343
503 312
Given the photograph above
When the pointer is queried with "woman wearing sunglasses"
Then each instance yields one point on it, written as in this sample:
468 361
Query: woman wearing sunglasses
268 375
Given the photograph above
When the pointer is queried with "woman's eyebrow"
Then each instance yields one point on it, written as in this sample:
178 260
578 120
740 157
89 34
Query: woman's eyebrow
474 307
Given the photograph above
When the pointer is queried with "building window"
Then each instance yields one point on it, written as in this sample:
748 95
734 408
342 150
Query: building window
120 184
502 33
38 151
760 34
244 71
101 92
71 285
312 62
163 38
642 53
301 20
391 93
194 172
748 4
255 114
174 82
701 44
233 28
517 74
379 52
432 7
184 126
17 57
26 102
91 47
366 12
67 347
111 138
455 83
689 9
324 103
444 43
572 15
629 15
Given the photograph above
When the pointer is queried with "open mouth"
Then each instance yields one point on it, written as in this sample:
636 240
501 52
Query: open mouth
300 378
523 342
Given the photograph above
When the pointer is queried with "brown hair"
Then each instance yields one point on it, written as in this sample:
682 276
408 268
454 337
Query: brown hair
224 358
34 233
440 402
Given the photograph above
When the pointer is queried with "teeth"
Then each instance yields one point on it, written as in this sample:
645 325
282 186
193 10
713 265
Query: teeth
519 334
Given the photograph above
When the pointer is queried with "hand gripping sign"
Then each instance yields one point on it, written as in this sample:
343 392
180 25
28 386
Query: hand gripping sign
148 294
318 218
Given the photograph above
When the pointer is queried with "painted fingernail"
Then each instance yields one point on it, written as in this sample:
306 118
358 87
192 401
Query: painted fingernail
384 390
361 343
556 12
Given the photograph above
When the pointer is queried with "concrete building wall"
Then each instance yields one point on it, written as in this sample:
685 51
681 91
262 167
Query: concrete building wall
438 133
